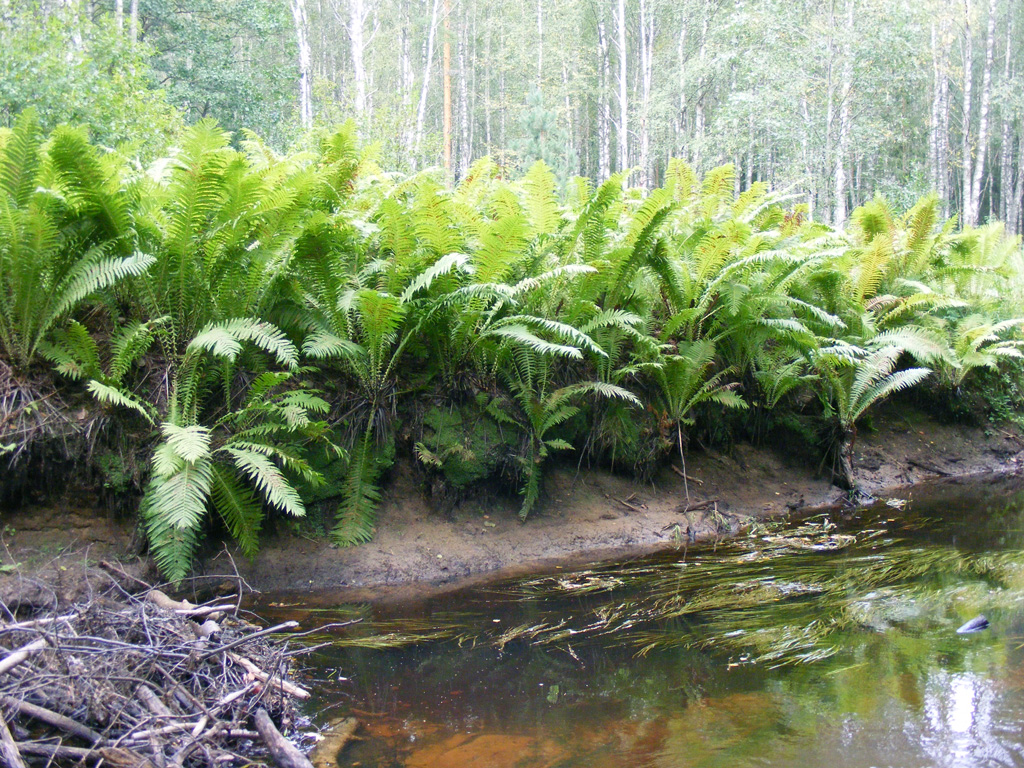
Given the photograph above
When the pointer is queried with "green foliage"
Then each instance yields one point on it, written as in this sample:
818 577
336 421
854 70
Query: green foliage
76 69
462 443
61 226
227 283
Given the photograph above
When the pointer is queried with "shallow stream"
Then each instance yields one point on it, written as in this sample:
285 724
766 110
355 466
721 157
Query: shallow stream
827 641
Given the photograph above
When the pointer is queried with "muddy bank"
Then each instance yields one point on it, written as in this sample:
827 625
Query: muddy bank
585 516
593 515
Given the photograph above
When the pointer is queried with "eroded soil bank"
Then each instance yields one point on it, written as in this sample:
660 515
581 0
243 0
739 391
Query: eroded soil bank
586 515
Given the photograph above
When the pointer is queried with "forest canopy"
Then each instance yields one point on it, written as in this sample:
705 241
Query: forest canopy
840 100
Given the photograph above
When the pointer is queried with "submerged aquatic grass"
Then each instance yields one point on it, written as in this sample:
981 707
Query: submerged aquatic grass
780 595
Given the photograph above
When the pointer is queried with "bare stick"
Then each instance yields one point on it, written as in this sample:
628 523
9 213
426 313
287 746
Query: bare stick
685 476
698 505
277 682
285 754
10 662
153 702
52 718
627 505
8 749
247 638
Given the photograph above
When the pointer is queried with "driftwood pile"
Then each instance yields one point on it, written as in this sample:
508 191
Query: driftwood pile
143 681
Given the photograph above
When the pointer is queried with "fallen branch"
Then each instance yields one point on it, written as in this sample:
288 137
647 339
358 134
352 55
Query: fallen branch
263 677
697 505
685 476
627 505
9 753
20 655
929 468
246 638
285 754
49 717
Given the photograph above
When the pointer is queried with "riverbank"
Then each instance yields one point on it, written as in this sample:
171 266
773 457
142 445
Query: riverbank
586 515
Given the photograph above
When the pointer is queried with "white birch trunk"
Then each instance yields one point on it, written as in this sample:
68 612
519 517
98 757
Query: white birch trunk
647 77
986 94
428 65
966 149
604 108
623 132
846 93
356 22
305 63
1006 139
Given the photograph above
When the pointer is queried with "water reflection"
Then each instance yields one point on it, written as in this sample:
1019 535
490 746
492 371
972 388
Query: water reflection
827 642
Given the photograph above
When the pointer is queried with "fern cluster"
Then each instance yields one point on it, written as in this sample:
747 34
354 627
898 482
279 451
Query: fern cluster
608 321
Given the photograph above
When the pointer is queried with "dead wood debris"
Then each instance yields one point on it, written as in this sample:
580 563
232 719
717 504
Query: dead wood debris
143 681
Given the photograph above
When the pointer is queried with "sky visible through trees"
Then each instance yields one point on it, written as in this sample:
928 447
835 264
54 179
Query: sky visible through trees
837 100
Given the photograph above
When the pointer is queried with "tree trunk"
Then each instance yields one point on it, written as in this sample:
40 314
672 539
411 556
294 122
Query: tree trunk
119 15
808 164
966 150
986 93
1006 139
447 86
487 88
846 93
305 64
405 63
465 151
604 107
1017 218
428 65
698 128
647 77
942 148
133 25
935 124
356 22
681 56
623 127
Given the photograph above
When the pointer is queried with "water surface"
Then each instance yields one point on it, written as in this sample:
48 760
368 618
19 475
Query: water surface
829 641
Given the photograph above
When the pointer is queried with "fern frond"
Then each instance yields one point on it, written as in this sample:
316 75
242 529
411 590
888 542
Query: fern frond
238 508
20 158
356 516
267 479
109 395
172 510
190 444
226 339
520 334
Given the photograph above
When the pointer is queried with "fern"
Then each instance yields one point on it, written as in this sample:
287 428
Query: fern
356 516
238 508
225 340
267 479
